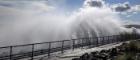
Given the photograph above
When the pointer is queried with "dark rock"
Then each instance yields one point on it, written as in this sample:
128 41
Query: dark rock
113 52
85 56
76 59
102 51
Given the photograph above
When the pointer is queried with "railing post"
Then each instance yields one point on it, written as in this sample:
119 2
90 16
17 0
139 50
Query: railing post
49 50
112 39
89 41
135 36
32 57
11 51
62 47
103 40
124 38
131 37
97 42
118 38
73 44
82 43
121 38
115 38
108 41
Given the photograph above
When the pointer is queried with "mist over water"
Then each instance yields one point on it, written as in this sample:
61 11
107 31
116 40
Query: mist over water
31 26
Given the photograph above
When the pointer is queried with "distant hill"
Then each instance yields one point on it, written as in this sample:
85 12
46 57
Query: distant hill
133 25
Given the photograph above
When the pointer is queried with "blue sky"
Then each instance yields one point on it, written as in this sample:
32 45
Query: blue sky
134 17
78 3
72 5
133 2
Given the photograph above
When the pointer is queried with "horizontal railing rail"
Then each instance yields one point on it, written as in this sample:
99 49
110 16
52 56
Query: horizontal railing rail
17 52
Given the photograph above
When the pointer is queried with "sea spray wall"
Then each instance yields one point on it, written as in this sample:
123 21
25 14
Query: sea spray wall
38 22
31 24
96 19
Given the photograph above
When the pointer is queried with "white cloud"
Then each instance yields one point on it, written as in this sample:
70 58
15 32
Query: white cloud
94 3
34 6
125 9
135 8
121 7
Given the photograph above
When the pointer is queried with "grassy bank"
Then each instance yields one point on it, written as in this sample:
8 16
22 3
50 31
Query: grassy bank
131 51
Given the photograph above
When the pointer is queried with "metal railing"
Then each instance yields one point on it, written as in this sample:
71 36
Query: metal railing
31 50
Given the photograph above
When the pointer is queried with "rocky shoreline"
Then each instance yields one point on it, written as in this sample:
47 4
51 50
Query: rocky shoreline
126 51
